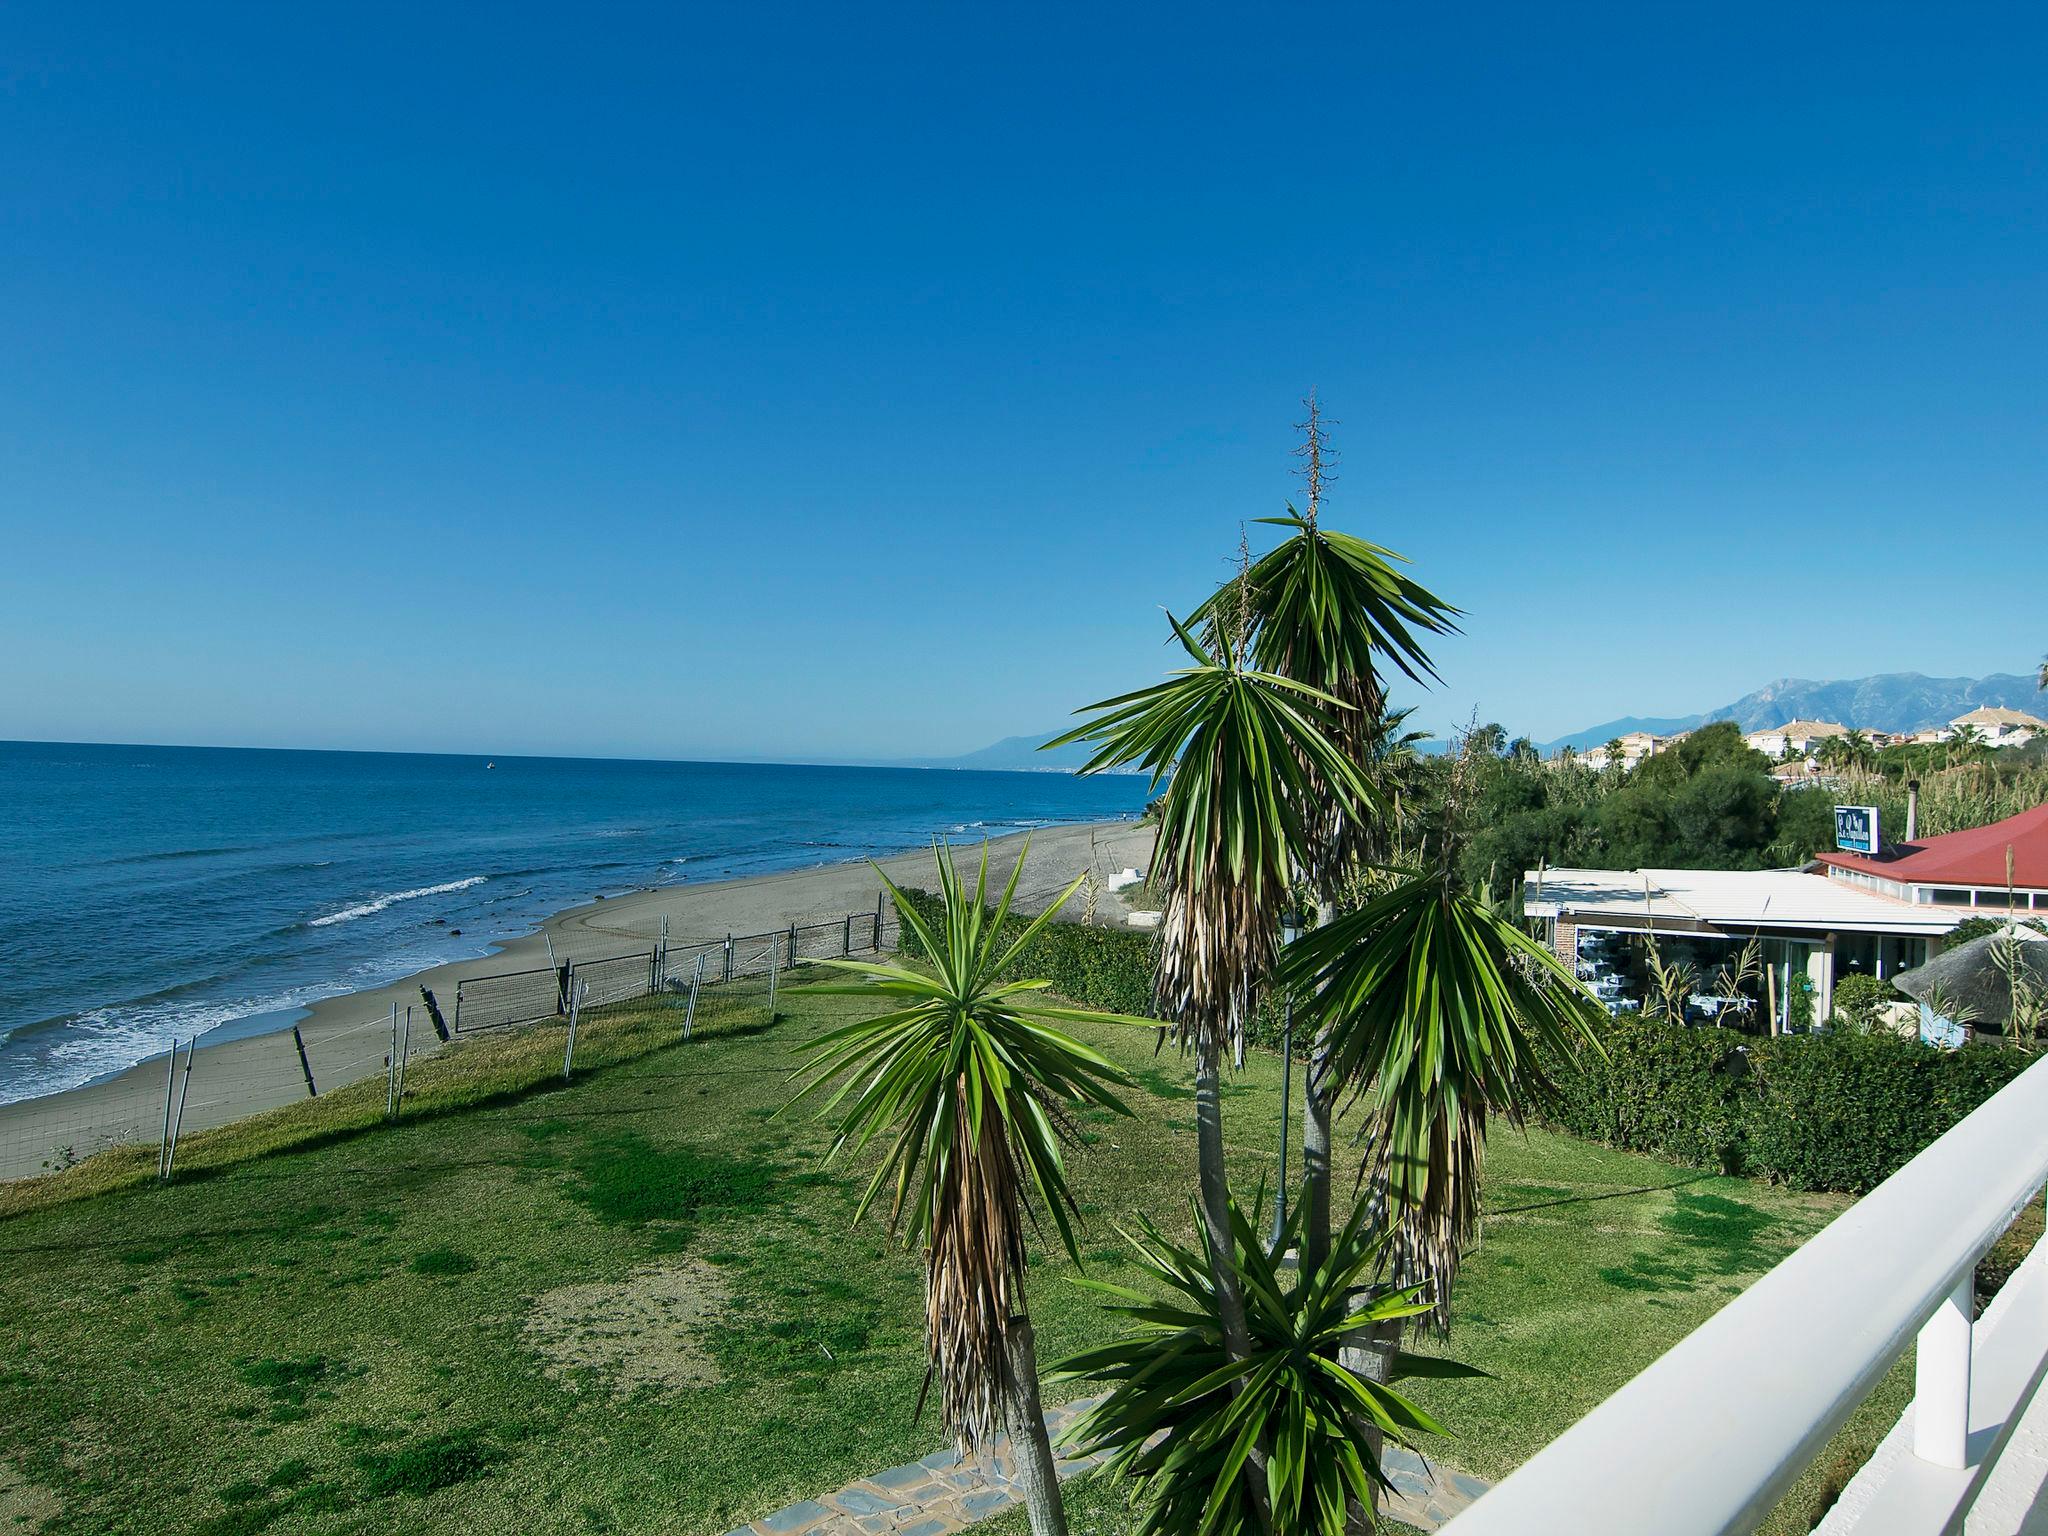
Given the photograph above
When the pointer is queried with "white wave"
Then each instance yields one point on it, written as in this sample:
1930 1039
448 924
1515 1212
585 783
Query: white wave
103 1041
379 903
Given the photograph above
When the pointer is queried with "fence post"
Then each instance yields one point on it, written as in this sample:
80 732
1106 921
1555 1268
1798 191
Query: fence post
878 922
564 980
690 1009
575 1003
728 957
163 1150
458 1008
391 1069
305 1066
771 983
846 937
404 1053
177 1124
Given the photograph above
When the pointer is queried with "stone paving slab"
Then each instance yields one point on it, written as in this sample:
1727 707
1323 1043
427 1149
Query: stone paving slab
940 1494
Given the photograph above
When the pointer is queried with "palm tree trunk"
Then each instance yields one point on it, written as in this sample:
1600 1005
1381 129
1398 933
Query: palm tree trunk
1215 1202
1030 1447
1215 1191
1319 1103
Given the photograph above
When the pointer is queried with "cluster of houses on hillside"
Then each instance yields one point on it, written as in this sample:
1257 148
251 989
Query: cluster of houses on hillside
1799 742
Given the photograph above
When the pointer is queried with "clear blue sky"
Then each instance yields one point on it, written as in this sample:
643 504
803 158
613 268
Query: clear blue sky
858 381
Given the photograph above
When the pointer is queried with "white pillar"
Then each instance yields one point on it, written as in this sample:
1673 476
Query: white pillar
1941 1380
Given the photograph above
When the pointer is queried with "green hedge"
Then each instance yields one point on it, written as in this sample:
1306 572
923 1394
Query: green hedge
1837 1110
1106 968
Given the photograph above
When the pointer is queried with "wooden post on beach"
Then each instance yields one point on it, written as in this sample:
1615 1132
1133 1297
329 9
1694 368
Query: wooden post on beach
163 1150
305 1066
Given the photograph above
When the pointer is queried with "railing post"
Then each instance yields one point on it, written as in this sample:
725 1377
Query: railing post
728 957
1941 1380
792 946
846 936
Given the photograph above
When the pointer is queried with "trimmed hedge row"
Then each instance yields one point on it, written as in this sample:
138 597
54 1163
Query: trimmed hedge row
1105 968
1835 1111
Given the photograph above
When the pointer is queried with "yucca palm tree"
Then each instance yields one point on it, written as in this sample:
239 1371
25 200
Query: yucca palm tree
967 1081
1336 613
1251 757
1182 1412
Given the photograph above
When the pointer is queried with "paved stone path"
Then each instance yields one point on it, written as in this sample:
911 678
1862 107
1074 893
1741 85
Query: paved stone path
942 1494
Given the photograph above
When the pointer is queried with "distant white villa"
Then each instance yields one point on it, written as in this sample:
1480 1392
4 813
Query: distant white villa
1994 726
1798 737
1635 746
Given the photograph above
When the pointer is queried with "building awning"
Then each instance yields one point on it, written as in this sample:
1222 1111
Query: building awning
1724 900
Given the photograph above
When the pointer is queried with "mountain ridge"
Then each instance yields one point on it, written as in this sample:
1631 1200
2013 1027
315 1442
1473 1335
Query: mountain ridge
1883 701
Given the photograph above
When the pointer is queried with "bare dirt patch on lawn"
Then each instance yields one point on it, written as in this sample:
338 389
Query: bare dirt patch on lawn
24 1506
618 1336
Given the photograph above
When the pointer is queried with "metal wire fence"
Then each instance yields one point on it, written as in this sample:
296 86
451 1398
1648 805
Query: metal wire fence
196 1088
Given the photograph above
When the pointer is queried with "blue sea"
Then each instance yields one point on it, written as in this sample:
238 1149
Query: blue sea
148 893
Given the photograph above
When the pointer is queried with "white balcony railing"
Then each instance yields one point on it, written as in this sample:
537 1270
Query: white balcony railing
1705 1441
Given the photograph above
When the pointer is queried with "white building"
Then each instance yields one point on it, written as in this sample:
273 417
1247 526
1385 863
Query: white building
1798 737
1635 746
1998 727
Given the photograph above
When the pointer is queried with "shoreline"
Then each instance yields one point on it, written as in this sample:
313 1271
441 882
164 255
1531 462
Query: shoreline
348 1036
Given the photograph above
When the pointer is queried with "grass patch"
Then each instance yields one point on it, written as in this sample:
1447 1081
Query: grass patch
427 1466
282 1328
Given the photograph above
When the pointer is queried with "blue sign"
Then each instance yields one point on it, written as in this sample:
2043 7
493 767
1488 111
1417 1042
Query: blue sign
1856 828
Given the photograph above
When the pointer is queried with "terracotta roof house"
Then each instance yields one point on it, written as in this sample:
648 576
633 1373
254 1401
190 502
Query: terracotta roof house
1960 869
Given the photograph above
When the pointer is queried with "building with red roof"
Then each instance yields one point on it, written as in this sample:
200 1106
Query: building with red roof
2002 867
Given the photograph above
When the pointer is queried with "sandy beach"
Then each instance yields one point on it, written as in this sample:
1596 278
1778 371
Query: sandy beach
348 1037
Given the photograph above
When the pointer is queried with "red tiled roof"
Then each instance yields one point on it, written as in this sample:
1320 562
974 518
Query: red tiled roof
1966 858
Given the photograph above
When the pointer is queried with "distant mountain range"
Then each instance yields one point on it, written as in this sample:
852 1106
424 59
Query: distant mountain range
1890 701
1013 754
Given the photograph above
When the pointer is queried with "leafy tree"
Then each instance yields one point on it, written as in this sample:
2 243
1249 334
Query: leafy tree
966 1080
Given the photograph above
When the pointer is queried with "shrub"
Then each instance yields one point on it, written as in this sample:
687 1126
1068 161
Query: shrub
1835 1111
1859 999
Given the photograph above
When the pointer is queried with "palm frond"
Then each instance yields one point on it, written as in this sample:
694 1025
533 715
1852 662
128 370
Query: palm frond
1333 611
1439 1011
1252 758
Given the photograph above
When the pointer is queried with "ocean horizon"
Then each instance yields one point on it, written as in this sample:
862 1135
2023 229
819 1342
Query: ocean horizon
153 892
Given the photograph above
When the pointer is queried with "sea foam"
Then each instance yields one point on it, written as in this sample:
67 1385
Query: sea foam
379 903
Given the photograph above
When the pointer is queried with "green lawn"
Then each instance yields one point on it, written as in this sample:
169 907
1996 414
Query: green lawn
637 1302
